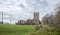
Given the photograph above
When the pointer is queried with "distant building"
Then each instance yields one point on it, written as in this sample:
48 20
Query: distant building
36 18
30 22
34 21
21 22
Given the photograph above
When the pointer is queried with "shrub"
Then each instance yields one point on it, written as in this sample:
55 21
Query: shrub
45 30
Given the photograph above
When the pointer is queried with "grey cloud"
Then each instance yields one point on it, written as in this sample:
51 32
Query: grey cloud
21 5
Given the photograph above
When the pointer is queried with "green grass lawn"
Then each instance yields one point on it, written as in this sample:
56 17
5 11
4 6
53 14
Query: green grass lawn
7 29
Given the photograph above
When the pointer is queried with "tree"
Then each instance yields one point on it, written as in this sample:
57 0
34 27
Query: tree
51 19
57 18
45 19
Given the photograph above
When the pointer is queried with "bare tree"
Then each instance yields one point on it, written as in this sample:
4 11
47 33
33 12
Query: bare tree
45 19
57 18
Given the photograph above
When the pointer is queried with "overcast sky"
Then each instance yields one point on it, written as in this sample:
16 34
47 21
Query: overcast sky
23 9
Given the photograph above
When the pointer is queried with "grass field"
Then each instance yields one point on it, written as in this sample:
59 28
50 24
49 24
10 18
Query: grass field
7 29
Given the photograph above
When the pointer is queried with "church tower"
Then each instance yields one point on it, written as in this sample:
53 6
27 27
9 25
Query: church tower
36 18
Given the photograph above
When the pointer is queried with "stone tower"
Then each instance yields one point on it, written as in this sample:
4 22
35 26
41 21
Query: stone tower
36 18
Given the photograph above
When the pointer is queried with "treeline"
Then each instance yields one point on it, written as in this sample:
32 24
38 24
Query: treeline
28 22
53 19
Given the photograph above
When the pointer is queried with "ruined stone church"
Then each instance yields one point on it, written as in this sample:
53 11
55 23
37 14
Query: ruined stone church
34 21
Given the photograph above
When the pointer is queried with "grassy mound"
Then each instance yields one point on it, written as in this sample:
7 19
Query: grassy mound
45 30
6 29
